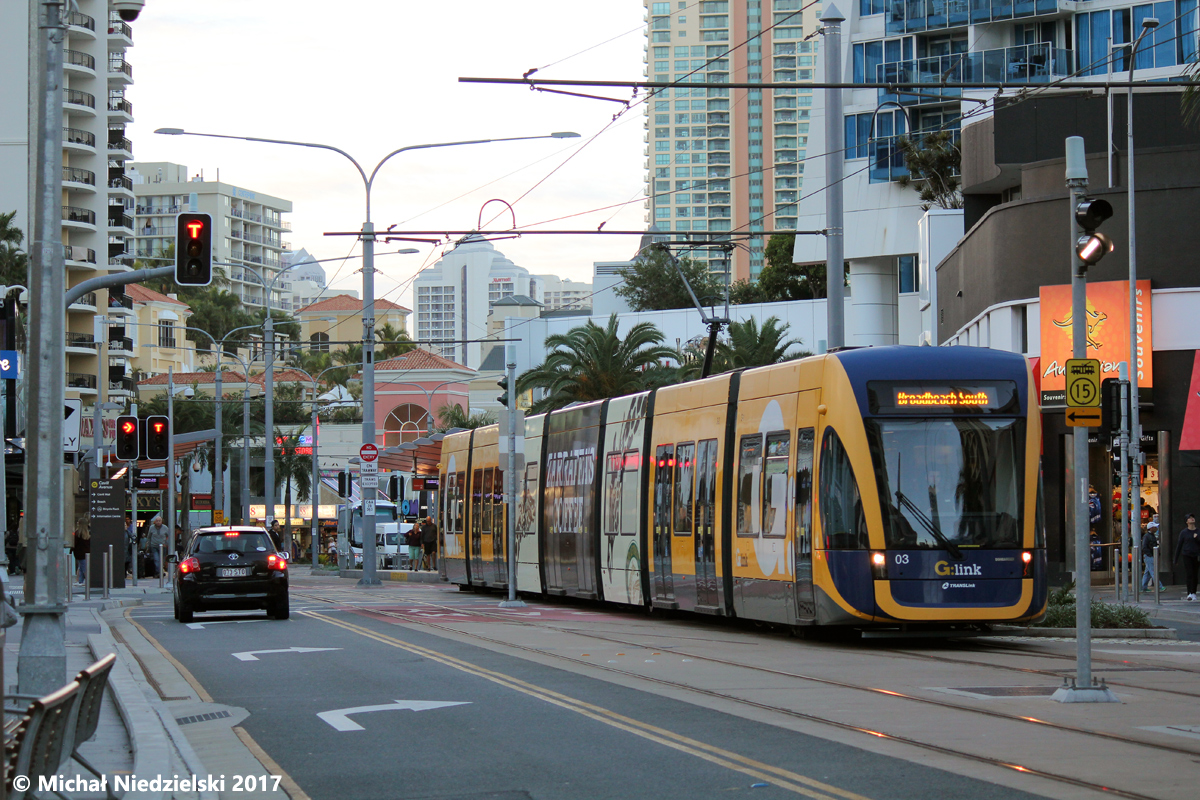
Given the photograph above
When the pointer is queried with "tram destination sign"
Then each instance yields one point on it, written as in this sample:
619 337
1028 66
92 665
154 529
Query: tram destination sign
942 397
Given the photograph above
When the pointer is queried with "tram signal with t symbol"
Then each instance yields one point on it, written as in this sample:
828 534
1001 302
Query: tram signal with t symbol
193 249
158 432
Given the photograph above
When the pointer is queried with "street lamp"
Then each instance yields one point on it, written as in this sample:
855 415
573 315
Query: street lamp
367 237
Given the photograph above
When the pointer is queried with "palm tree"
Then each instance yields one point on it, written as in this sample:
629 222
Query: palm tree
291 469
14 263
751 346
455 416
392 342
591 363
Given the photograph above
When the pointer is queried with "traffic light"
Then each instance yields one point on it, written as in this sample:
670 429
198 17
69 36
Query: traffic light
341 484
1092 246
127 438
158 431
1111 405
394 488
503 384
193 250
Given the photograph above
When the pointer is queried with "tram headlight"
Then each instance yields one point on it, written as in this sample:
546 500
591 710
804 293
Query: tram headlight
1027 561
879 566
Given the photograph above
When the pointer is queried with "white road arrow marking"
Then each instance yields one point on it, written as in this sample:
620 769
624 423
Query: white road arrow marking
252 655
197 626
339 718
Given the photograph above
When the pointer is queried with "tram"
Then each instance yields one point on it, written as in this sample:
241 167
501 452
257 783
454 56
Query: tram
882 486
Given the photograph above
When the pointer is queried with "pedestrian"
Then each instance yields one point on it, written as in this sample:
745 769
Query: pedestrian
1149 542
412 538
131 549
1187 550
81 548
429 534
1095 508
157 539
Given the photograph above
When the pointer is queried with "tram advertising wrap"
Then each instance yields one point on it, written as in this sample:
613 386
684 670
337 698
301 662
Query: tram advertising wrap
874 487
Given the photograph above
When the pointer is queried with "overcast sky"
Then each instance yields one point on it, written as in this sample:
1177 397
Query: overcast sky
369 76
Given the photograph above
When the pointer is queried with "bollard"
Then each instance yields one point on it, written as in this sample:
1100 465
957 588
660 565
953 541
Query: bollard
87 577
159 565
133 561
107 571
1154 577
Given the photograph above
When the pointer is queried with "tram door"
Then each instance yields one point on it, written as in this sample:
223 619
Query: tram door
664 581
806 413
705 535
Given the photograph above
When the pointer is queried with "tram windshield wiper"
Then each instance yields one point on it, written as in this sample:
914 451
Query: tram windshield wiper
930 525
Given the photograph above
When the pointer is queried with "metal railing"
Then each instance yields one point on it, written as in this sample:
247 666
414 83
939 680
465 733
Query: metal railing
120 105
120 144
1028 63
122 344
88 299
84 340
77 175
77 136
77 98
120 301
79 380
150 210
120 221
151 231
76 253
166 341
76 214
123 385
119 64
78 20
120 182
79 59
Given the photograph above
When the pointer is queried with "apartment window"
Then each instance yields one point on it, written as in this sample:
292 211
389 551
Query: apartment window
659 9
907 274
166 333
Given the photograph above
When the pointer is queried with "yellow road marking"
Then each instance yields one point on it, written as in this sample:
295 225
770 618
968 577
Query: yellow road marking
290 786
187 676
800 784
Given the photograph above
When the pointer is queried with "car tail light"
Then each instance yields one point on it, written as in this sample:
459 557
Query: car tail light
276 561
189 565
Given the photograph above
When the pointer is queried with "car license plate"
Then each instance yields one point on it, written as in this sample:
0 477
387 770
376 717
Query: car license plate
233 572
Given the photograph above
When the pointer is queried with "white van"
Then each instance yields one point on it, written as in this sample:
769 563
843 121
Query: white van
387 534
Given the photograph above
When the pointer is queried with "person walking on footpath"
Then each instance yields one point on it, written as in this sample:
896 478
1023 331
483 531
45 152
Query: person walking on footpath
158 537
429 533
131 549
1187 550
1149 542
412 538
81 548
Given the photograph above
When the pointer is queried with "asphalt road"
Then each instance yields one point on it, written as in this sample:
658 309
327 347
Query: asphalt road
510 728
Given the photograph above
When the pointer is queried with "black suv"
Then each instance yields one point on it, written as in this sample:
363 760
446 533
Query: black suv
231 567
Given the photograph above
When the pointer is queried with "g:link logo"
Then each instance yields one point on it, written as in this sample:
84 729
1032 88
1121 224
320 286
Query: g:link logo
957 570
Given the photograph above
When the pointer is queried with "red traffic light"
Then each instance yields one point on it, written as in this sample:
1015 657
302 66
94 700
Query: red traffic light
128 427
159 427
195 228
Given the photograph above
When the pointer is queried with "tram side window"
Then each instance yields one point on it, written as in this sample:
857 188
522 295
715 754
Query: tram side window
477 501
685 470
460 502
842 521
486 515
804 487
528 512
612 492
775 475
748 466
629 492
499 518
665 463
706 484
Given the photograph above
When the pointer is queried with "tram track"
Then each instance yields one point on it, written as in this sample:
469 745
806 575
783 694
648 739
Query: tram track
1023 769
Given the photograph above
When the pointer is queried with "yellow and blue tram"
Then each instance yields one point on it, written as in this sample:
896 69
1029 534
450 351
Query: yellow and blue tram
879 486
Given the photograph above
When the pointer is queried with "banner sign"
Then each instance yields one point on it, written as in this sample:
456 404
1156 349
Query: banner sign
1107 336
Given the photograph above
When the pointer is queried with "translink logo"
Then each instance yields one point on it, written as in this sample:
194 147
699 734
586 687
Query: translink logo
957 570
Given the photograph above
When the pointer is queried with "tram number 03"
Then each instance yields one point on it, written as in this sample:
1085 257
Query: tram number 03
902 558
252 783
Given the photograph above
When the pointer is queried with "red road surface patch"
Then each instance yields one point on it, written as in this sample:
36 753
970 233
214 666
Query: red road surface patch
482 612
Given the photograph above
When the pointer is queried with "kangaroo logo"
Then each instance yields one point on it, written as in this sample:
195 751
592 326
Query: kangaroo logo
1096 319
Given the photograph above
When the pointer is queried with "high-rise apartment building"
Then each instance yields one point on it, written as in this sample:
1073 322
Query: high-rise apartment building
247 226
96 195
559 293
1038 46
455 295
727 160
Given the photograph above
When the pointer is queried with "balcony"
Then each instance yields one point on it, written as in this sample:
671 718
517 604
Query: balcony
120 304
86 302
79 63
160 210
118 28
77 102
122 386
78 140
1030 63
81 343
117 179
75 255
81 22
119 147
909 16
167 342
119 69
118 219
120 108
120 344
76 179
73 215
81 382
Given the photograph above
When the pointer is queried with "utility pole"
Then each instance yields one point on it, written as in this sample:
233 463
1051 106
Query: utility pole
42 661
510 493
269 413
219 468
315 492
170 461
835 162
1084 690
369 573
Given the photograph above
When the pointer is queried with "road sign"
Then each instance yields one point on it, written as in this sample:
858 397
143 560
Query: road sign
218 517
70 430
1083 383
10 364
369 507
1083 417
368 475
368 452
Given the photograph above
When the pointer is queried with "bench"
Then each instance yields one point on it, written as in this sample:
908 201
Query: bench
69 730
35 747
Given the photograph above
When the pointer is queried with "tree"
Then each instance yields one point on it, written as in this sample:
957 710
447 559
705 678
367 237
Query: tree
292 469
780 279
217 312
591 363
392 342
652 284
455 416
751 346
933 163
14 262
